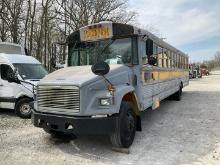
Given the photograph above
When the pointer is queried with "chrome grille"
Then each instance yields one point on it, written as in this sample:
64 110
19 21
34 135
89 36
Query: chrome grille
58 99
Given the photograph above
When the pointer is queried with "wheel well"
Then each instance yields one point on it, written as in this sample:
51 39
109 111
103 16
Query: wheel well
22 97
131 98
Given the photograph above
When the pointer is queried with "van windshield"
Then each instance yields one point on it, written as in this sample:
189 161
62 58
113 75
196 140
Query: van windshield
31 71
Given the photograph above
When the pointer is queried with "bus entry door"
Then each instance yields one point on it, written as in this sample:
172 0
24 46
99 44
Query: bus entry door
147 86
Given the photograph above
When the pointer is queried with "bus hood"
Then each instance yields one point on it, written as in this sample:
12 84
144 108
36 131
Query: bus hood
80 75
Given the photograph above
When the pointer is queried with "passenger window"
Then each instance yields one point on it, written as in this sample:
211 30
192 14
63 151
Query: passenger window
173 57
172 60
165 58
169 59
155 53
155 49
160 57
177 61
6 71
144 55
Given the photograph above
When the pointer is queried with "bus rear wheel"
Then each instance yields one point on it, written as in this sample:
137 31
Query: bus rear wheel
126 127
178 95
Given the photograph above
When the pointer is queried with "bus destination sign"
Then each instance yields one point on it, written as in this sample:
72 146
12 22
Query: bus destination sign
96 32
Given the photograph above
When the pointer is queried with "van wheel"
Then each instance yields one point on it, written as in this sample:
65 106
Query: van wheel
125 128
23 108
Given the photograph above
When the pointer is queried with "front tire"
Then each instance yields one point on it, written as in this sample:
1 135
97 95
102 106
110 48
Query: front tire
126 127
23 108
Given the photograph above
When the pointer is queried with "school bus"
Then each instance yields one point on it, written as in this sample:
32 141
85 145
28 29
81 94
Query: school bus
114 72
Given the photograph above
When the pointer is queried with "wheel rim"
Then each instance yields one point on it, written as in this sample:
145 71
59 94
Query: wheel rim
25 109
130 126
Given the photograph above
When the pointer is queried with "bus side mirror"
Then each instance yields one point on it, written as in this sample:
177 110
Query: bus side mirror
149 47
100 68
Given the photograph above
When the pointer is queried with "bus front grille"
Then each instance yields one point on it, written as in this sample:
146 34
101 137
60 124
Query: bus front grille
58 99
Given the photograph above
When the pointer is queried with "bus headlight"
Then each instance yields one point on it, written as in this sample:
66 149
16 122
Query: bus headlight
104 101
34 90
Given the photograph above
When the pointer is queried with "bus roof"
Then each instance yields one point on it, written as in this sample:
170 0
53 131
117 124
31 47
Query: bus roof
87 33
17 58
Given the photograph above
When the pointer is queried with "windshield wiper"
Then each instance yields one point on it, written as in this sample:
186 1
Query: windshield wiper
107 45
34 79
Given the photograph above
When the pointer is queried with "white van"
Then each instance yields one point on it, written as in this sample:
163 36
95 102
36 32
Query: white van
18 94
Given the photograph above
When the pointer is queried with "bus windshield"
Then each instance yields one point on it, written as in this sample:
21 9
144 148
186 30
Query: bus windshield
112 51
31 71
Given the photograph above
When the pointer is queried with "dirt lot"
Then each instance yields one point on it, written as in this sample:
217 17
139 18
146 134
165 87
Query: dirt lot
186 132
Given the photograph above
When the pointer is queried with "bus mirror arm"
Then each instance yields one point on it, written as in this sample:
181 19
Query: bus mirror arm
110 87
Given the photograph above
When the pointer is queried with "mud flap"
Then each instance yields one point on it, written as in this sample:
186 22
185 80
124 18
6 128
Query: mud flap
156 103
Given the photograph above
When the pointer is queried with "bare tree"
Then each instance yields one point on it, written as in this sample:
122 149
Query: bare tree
78 13
3 22
12 17
214 63
39 23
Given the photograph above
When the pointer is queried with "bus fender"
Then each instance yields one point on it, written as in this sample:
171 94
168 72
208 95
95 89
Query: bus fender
126 93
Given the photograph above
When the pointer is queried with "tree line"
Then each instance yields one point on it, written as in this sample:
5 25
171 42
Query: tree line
212 64
36 24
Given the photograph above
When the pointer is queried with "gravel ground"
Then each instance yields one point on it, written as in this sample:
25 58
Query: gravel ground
186 132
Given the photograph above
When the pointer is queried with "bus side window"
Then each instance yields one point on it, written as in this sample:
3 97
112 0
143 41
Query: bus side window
187 63
183 62
155 49
155 53
160 57
172 59
151 51
179 61
144 60
176 58
164 58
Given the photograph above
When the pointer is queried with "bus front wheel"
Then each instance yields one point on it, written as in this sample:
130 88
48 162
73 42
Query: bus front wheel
126 127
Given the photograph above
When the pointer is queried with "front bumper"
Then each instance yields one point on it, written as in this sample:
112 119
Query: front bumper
79 125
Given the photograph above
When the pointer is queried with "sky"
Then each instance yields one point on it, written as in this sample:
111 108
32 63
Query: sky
192 26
